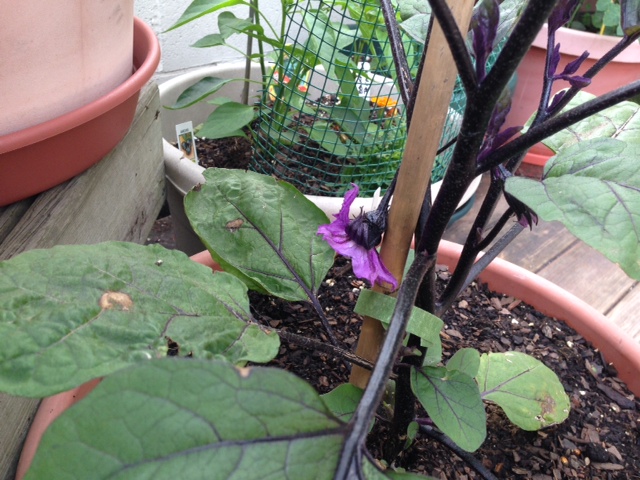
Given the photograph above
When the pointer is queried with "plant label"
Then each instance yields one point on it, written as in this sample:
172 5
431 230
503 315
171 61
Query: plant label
187 141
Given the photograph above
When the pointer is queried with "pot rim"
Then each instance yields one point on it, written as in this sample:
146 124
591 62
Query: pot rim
143 68
575 42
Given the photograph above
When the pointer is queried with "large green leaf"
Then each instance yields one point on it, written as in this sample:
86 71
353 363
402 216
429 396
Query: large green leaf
452 400
183 418
191 419
527 390
593 188
262 230
622 121
199 8
465 360
73 313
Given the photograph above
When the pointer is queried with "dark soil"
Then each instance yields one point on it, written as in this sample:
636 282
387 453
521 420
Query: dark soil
233 152
600 440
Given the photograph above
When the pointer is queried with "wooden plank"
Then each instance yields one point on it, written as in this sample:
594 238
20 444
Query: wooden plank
16 414
11 215
531 249
589 275
626 312
117 199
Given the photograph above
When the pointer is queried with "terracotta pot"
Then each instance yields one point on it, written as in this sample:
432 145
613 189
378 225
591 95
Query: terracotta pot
61 55
501 276
37 158
50 408
621 71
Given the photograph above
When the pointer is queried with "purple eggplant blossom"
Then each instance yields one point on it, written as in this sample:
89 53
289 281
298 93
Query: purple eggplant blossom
494 137
562 13
356 238
568 74
570 69
484 26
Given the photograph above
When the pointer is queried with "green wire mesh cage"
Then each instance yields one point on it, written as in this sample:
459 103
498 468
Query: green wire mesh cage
331 113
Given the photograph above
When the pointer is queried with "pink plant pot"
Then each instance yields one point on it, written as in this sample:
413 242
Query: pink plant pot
37 158
623 70
501 276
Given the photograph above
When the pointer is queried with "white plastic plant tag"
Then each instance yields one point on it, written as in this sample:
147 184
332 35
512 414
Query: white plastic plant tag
187 141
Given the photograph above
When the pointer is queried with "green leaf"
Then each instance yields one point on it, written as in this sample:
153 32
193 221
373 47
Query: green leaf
208 41
415 15
621 121
421 323
452 400
228 24
74 313
343 400
611 16
465 360
199 8
434 355
199 91
329 139
181 418
528 391
227 120
262 230
510 12
593 188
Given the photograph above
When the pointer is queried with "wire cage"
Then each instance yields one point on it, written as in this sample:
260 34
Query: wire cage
331 114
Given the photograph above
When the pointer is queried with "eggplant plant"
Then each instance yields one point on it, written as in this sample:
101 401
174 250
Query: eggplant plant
182 395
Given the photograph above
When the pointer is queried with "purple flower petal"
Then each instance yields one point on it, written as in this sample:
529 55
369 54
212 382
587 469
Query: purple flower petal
573 66
366 262
562 13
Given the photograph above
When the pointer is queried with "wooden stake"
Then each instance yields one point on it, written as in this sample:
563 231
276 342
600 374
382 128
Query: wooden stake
429 117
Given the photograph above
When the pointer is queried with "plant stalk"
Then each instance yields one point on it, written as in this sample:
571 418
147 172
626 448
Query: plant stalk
429 115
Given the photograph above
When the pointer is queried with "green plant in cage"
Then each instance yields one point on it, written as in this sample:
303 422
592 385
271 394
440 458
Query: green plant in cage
230 118
350 127
341 135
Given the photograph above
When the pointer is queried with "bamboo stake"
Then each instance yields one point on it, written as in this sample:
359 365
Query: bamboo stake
429 117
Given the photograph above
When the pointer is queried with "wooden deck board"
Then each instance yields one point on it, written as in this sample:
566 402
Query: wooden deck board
554 253
626 313
589 275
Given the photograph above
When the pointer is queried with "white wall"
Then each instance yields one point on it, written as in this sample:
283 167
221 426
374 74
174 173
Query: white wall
177 54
